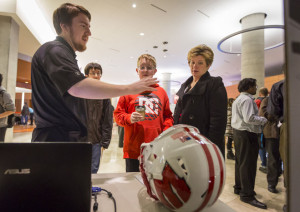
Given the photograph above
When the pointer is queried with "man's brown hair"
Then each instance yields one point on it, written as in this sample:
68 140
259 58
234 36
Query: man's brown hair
65 13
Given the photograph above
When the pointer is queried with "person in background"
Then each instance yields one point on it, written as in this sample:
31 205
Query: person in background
271 136
202 99
7 107
138 127
59 89
229 130
25 113
100 119
275 109
121 135
246 124
262 94
31 112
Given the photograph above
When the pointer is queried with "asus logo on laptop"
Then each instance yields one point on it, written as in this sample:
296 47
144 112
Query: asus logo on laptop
17 171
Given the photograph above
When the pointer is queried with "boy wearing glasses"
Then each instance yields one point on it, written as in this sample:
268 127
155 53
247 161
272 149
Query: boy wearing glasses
142 126
100 123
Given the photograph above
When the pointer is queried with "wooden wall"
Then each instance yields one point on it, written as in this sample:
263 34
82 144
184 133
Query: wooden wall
18 101
24 71
23 75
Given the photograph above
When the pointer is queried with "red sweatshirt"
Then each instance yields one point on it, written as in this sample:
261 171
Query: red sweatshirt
158 117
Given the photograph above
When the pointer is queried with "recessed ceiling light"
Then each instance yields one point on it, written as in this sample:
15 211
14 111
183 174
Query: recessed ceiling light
131 57
142 34
165 42
165 50
155 47
165 56
26 82
134 5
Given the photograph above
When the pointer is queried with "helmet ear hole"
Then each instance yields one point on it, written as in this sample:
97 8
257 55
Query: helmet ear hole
182 166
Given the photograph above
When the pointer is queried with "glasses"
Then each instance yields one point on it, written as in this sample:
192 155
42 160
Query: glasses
146 68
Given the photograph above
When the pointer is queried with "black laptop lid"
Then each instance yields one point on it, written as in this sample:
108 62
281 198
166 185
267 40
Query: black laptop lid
45 177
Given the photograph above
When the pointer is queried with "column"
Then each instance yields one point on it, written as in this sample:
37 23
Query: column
9 41
253 57
166 83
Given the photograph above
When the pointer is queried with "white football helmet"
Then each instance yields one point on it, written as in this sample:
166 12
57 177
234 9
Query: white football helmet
183 169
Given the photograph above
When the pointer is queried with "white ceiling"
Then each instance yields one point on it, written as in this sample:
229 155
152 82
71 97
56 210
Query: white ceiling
116 44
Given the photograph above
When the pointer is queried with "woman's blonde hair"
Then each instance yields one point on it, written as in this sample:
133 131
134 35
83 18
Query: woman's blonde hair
204 51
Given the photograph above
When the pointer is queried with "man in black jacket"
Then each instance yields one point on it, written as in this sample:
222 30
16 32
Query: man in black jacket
100 119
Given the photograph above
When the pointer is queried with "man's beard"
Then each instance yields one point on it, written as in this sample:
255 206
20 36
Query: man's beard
79 47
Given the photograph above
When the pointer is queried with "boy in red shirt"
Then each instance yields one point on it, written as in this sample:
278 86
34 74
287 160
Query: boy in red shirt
137 128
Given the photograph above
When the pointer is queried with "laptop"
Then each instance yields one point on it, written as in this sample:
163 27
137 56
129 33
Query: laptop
45 177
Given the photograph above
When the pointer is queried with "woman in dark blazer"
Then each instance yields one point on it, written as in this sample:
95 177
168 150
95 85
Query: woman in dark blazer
202 98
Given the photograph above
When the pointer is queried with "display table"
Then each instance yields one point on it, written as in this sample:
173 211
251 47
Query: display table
131 195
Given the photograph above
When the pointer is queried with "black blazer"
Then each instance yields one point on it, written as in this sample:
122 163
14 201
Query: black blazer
204 107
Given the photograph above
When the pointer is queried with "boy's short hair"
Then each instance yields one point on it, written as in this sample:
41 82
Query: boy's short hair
148 57
264 91
90 66
65 13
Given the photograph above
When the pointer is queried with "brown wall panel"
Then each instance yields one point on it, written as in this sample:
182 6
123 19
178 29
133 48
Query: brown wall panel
18 105
24 71
28 99
18 101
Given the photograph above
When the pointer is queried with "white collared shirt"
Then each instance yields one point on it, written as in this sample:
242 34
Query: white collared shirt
245 114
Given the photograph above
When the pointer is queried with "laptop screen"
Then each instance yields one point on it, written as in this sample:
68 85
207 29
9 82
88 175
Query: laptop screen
48 176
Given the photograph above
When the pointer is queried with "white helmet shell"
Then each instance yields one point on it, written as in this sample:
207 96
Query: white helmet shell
183 169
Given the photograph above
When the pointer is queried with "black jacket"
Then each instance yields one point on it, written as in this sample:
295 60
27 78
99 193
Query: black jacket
100 121
276 101
205 107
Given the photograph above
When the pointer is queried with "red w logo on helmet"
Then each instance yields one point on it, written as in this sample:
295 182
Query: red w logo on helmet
165 188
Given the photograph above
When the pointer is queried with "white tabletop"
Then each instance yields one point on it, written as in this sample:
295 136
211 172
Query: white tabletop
131 195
